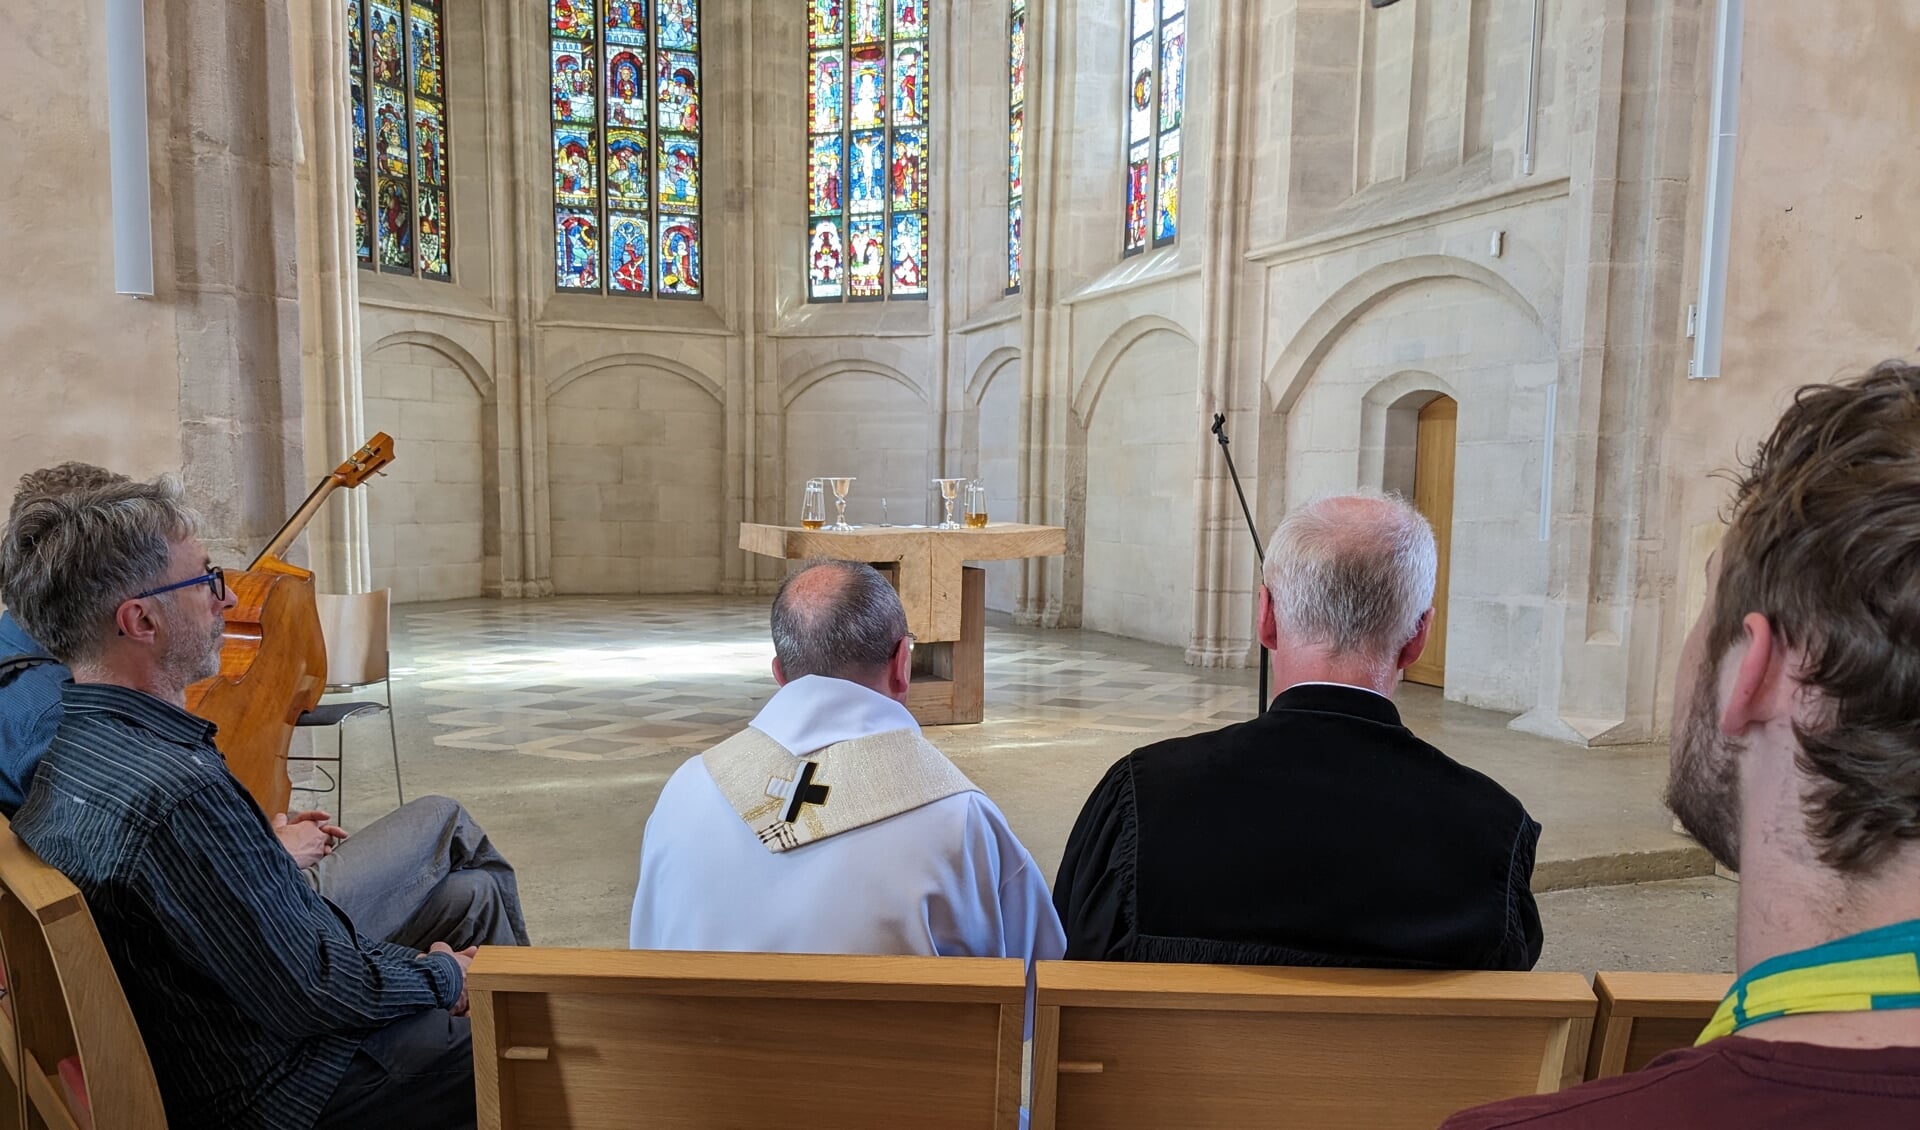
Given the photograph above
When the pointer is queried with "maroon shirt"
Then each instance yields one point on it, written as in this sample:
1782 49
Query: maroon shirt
1732 1082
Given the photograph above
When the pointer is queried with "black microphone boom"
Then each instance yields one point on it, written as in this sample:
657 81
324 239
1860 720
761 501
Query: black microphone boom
1259 553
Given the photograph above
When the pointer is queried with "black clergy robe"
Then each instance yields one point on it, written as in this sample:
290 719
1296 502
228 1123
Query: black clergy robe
1321 833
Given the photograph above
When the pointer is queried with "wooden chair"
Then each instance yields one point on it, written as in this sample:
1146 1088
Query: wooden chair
586 1039
68 1039
1120 1044
1643 1015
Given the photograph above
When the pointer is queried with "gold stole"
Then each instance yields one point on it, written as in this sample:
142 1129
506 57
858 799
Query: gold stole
790 800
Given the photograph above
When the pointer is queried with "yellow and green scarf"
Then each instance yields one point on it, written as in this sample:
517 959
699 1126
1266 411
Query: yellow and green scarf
1875 971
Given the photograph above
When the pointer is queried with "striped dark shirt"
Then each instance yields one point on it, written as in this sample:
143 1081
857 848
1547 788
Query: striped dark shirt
251 991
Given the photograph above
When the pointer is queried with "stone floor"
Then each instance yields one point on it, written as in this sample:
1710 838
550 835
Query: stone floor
557 722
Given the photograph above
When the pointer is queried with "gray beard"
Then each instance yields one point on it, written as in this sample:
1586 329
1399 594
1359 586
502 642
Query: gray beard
186 661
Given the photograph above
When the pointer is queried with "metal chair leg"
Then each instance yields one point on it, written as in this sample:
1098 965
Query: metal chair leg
340 754
393 739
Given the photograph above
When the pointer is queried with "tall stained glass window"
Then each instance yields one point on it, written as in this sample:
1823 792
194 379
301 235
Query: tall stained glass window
626 146
1016 136
1156 101
397 77
867 149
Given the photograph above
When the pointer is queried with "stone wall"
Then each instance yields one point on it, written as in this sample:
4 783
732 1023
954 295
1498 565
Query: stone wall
202 378
1825 251
1378 206
425 515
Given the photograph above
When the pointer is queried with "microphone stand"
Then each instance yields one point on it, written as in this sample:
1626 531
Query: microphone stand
1259 553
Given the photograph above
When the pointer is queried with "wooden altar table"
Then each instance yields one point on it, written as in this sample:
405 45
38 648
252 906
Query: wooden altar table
945 598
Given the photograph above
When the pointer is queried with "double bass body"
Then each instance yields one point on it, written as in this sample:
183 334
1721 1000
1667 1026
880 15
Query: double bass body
273 669
273 661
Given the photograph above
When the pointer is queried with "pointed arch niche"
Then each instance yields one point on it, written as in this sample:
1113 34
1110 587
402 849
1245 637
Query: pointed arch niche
433 520
1345 396
635 451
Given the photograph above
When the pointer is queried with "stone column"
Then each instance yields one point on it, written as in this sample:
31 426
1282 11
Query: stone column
522 116
329 288
1622 343
1046 397
1222 635
232 144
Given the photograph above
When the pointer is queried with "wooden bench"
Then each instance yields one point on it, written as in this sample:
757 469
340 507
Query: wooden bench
587 1039
1119 1044
68 1041
1644 1015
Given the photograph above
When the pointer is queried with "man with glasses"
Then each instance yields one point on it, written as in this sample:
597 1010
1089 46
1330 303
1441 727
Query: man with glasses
830 825
260 1003
423 873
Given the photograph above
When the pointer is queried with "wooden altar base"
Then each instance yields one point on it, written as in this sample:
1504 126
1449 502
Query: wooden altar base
949 676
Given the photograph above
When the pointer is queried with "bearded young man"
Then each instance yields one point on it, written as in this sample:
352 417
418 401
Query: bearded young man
1796 761
260 1004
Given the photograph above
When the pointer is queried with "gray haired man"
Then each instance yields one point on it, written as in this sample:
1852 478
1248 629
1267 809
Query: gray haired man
425 872
830 825
1322 832
260 1004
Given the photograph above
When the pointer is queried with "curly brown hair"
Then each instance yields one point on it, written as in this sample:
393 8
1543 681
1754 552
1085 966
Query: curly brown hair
1824 540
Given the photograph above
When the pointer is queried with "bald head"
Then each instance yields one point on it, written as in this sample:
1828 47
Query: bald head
840 619
1351 574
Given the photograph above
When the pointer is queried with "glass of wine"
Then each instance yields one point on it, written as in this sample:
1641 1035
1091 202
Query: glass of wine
813 505
975 504
841 484
949 490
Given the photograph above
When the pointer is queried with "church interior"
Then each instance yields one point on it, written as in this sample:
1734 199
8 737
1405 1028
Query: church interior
619 279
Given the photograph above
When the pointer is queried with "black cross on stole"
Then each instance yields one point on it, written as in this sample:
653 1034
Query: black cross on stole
805 792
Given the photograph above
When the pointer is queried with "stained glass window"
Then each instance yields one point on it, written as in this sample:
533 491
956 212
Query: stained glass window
868 146
1016 136
397 86
1156 102
626 146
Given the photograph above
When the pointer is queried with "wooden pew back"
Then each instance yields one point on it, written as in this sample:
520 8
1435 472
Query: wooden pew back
1119 1044
589 1039
1643 1015
68 1019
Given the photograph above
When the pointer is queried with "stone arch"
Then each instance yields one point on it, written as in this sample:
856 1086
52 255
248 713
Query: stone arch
648 360
1100 369
793 388
1345 306
635 476
434 527
988 371
455 353
1389 413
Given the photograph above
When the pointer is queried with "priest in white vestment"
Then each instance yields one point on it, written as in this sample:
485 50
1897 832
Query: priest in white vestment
830 825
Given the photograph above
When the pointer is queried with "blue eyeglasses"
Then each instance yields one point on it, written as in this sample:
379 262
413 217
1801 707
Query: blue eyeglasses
215 578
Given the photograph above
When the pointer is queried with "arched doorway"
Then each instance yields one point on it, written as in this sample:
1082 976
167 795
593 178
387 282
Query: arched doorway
1433 497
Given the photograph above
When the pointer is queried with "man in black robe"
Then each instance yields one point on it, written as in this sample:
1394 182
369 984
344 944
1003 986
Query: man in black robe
1322 832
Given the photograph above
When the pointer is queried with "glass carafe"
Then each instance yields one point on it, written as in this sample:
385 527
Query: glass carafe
974 504
813 505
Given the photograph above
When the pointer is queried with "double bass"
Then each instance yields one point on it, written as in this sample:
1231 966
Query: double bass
273 660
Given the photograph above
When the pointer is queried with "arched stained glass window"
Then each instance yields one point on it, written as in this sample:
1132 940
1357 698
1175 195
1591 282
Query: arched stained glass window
626 146
1016 137
397 80
867 149
1156 102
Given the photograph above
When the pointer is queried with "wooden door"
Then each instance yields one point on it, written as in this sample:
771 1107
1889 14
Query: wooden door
1433 497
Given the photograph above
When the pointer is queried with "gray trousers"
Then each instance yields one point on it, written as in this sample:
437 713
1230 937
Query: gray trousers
421 874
